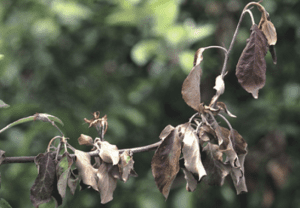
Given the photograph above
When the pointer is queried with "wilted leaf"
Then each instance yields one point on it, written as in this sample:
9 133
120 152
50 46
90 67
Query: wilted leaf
251 67
191 88
44 184
85 140
216 170
2 156
191 152
72 182
126 165
273 53
63 171
85 170
3 104
220 87
267 27
206 134
166 131
165 162
223 108
106 183
109 153
191 182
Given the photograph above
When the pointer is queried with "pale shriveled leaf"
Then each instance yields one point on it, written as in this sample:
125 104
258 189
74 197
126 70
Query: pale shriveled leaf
191 152
85 170
106 182
126 165
191 182
44 184
166 131
191 88
165 162
109 153
251 67
63 171
85 140
219 87
198 56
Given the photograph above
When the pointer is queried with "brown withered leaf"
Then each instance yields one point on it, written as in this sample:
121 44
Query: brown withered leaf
251 67
166 131
191 152
106 182
109 153
198 56
126 165
165 162
85 170
223 108
191 88
267 27
44 184
63 171
85 140
215 168
191 182
73 181
207 134
2 156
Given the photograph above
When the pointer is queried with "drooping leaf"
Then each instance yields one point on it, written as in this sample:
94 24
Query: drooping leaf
85 140
216 170
267 27
106 182
165 162
126 165
166 131
219 87
72 182
191 182
44 184
251 67
191 152
223 108
63 171
38 116
109 153
2 156
3 104
273 53
85 170
191 88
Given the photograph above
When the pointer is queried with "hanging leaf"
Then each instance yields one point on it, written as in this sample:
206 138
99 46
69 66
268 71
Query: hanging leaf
191 88
126 165
251 67
166 131
63 171
223 108
267 27
191 182
85 140
73 181
273 54
85 170
43 186
191 152
108 153
165 162
106 182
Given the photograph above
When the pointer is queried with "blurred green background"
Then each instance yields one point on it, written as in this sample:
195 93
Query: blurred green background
128 59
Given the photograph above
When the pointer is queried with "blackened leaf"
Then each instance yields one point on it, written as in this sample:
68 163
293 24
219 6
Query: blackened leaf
165 162
251 67
216 170
273 53
191 182
166 131
125 165
2 156
191 88
86 171
191 152
85 140
63 171
109 153
106 182
44 184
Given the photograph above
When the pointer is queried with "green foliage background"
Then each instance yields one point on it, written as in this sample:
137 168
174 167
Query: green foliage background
128 60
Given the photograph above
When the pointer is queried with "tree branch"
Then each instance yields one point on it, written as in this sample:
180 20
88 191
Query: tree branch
30 159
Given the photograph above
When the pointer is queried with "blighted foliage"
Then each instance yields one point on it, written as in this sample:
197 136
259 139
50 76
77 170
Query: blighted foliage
201 148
